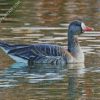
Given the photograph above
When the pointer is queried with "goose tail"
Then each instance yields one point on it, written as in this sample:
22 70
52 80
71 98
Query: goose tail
4 45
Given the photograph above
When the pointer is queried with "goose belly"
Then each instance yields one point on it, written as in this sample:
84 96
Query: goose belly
79 58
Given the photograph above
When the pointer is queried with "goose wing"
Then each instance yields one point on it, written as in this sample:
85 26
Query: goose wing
37 50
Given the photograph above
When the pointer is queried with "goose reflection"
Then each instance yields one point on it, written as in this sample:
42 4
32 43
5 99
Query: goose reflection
38 72
75 71
46 73
33 74
71 72
78 88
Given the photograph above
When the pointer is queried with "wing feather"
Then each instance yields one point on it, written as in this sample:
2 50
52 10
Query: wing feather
40 52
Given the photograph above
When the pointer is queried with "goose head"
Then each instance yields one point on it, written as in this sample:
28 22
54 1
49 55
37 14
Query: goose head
77 28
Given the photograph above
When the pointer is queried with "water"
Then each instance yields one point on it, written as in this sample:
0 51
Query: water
45 21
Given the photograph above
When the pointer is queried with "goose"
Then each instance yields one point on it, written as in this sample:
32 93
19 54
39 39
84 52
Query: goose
49 53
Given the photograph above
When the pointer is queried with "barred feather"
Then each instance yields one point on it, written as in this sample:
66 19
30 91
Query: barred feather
39 53
46 60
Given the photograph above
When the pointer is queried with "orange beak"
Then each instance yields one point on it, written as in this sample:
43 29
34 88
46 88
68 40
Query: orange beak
88 29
